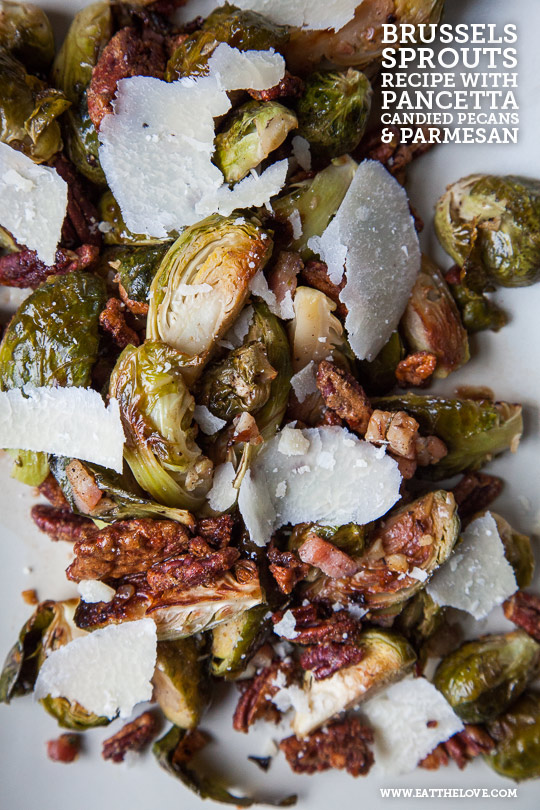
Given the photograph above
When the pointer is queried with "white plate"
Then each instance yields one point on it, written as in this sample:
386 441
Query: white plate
506 361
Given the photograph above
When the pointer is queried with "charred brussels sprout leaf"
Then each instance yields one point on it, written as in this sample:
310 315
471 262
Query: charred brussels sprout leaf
70 714
518 551
478 312
135 268
473 431
25 31
28 111
250 135
491 226
431 321
517 733
233 642
420 619
333 111
22 664
241 382
316 200
116 232
157 413
484 677
52 340
378 376
169 754
181 684
203 282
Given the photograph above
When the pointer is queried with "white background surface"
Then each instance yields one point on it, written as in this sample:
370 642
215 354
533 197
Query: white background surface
508 362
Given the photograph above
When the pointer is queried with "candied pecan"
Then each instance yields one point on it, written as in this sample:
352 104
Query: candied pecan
429 450
131 601
127 54
344 395
343 745
325 659
126 547
190 569
398 430
256 699
25 270
474 493
80 226
286 568
65 748
133 736
60 524
324 555
50 489
523 609
289 87
315 274
113 320
395 156
312 628
416 369
216 530
283 275
461 747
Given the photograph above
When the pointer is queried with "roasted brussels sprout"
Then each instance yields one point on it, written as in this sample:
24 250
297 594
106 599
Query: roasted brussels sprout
242 29
252 132
241 382
490 226
484 677
403 551
175 759
360 43
419 620
157 413
316 201
518 551
517 733
115 230
105 495
333 111
25 31
181 684
52 340
378 377
350 538
135 268
388 657
89 32
233 642
474 431
431 321
478 312
28 111
203 282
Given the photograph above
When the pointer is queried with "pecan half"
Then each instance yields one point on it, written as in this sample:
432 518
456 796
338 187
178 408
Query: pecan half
60 524
461 747
133 736
343 745
474 493
312 627
315 274
325 659
324 555
416 369
50 489
216 531
398 430
256 700
25 270
127 54
523 609
289 87
113 320
126 547
191 569
65 748
344 395
286 568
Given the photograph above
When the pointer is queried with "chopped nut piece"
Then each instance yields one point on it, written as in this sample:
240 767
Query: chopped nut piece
416 369
133 736
60 524
113 320
474 493
343 745
289 87
398 430
216 530
524 610
50 489
325 659
286 568
429 450
191 569
256 699
64 749
30 596
324 555
344 395
461 747
315 274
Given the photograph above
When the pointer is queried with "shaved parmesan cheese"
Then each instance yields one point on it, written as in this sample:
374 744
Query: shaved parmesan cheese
33 202
304 382
373 236
238 331
296 224
292 442
313 15
477 577
286 628
316 493
92 590
71 422
223 495
259 287
206 420
287 307
399 718
108 671
302 152
167 130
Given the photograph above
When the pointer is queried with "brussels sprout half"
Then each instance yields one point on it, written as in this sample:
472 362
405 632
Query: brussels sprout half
518 551
233 642
25 31
484 677
517 733
181 683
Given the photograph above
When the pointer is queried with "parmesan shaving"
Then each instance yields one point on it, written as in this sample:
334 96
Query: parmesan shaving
240 70
223 495
304 382
206 420
33 203
302 152
92 590
286 628
70 421
312 15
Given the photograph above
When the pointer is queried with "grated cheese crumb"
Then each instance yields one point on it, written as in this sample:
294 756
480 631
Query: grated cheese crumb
286 628
304 382
292 442
92 590
223 495
206 420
